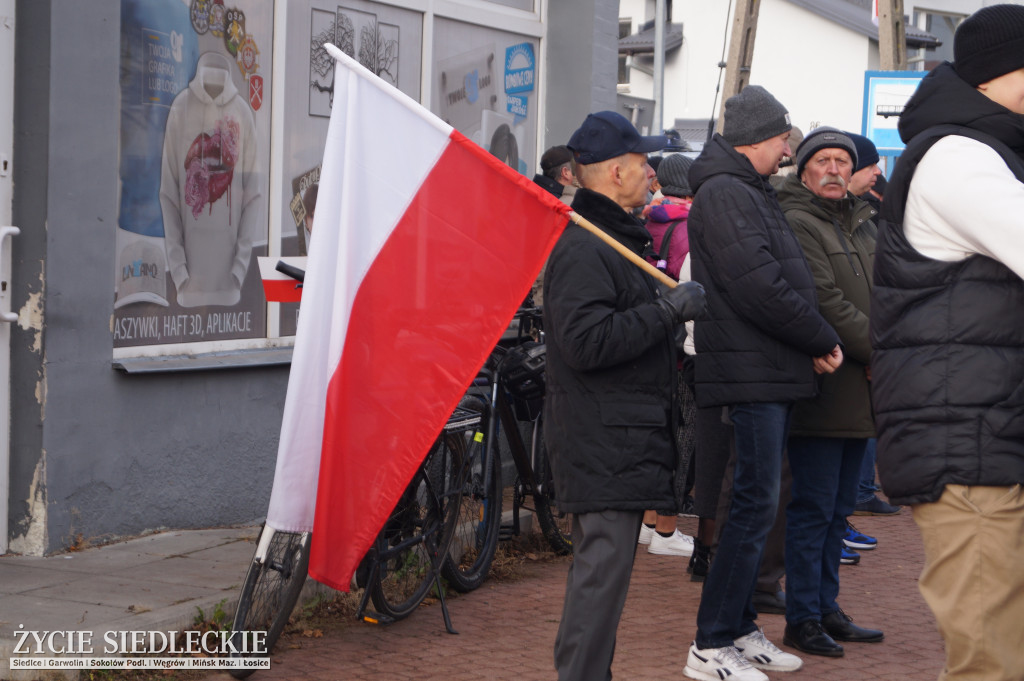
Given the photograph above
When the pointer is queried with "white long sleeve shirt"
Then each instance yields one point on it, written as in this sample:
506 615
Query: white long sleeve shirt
964 200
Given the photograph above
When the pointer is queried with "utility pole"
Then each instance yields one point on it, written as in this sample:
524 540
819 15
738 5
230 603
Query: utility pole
741 51
892 35
659 66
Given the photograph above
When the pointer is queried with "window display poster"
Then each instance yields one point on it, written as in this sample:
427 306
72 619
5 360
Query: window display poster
385 39
485 87
194 153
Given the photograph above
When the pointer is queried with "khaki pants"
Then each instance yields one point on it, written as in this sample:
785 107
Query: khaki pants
973 579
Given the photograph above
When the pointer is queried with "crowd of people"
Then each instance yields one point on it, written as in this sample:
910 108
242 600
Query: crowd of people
818 306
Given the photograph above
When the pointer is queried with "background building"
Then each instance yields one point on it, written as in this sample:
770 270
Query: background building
150 150
811 54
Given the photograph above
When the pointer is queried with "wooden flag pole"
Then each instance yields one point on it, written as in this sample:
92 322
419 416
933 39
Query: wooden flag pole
623 251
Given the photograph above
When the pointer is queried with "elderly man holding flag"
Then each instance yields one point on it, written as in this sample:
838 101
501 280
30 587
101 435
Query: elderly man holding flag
610 415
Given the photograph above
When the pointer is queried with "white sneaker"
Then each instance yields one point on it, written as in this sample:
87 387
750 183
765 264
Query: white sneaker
645 534
678 544
764 654
715 664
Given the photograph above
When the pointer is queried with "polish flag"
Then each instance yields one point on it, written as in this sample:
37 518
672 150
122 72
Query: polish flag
279 287
423 247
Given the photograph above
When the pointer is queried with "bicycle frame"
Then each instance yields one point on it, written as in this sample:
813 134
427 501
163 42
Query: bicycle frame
507 421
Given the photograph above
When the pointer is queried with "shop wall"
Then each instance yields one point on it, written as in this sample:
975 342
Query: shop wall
98 454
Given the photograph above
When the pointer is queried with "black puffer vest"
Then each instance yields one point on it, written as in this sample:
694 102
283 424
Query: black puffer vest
948 337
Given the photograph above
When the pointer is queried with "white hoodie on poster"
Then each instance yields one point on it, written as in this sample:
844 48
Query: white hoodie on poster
210 187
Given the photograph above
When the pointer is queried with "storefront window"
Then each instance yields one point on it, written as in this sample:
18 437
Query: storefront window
214 172
194 158
485 87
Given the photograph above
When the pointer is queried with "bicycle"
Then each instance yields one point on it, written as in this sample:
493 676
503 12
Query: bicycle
397 572
508 390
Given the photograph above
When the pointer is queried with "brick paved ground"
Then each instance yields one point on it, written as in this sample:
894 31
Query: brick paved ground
507 628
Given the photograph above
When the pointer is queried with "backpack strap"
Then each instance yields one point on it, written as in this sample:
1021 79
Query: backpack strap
665 241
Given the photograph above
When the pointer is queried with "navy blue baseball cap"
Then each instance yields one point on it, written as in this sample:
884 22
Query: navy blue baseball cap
607 134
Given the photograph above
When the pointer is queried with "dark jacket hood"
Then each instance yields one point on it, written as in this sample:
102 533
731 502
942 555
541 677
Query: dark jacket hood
719 157
945 98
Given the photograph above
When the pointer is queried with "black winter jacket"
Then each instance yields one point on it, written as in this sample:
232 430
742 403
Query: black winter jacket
552 186
609 417
761 328
948 337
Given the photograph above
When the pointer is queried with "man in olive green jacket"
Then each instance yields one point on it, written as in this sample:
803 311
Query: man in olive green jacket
828 434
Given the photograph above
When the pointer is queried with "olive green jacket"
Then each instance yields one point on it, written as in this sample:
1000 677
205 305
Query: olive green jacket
838 238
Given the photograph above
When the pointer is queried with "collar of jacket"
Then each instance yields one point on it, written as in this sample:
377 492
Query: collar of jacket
612 218
794 194
945 98
718 158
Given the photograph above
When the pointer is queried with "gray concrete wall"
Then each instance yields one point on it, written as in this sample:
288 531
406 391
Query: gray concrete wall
97 454
582 66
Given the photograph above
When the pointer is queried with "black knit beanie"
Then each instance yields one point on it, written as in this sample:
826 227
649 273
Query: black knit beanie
753 116
989 43
672 175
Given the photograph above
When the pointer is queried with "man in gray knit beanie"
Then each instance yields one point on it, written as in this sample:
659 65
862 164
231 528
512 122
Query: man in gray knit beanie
759 344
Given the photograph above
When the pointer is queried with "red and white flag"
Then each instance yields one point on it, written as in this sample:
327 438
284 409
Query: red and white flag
279 287
423 247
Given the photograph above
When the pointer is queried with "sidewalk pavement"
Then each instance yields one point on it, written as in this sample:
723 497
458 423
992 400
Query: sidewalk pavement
507 627
154 583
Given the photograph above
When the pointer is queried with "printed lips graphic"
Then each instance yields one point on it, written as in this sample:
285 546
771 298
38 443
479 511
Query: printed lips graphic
210 165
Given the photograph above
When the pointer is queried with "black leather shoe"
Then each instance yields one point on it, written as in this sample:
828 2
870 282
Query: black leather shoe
809 637
700 561
840 627
770 603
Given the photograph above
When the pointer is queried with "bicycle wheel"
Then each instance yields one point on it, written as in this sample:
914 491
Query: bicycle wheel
556 526
269 593
419 531
479 521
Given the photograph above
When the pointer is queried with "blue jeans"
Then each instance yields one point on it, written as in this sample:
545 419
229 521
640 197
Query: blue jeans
825 473
726 611
866 486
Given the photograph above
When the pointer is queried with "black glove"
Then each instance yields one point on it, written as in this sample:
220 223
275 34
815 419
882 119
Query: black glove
681 304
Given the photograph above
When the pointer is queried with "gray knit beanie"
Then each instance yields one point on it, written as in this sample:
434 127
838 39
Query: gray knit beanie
672 175
823 138
753 116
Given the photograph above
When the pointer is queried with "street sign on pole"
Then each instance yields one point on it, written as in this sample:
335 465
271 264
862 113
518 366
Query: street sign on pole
885 95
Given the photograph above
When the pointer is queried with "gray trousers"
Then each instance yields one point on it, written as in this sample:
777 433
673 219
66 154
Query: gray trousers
603 549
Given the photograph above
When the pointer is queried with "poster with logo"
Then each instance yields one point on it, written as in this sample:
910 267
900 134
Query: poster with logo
385 39
485 87
194 157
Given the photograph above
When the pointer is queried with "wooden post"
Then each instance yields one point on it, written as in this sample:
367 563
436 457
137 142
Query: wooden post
892 35
741 51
